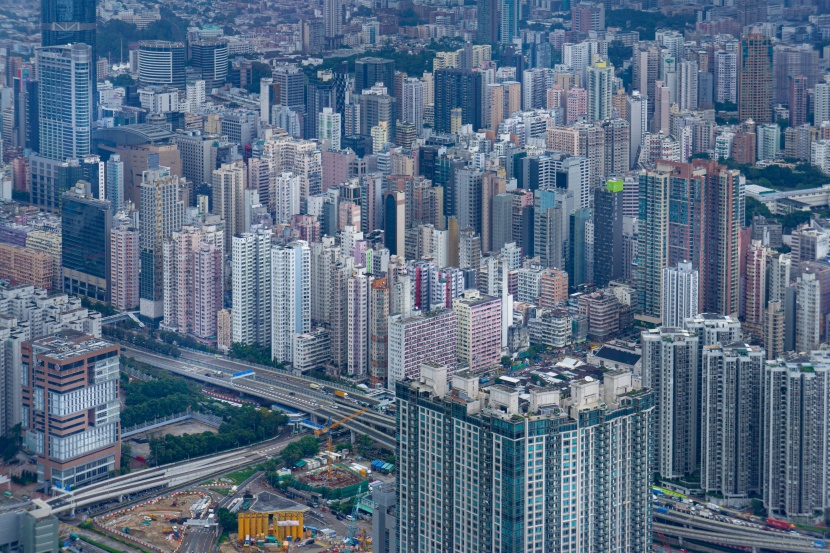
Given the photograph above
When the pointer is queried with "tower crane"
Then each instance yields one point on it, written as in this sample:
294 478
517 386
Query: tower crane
332 426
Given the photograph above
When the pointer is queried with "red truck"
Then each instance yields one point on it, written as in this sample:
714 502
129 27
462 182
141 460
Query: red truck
780 524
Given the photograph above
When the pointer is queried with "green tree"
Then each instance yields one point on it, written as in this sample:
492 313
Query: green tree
259 71
365 444
754 207
227 519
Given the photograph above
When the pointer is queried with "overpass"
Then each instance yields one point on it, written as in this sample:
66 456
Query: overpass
166 476
758 537
278 387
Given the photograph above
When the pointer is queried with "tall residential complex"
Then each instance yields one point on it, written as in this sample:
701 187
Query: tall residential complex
71 408
251 270
755 78
681 294
162 213
290 297
670 369
125 255
795 428
420 337
600 77
478 334
542 472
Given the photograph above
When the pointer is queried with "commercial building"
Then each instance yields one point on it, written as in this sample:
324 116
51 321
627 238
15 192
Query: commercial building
71 408
210 58
29 528
549 467
161 62
85 228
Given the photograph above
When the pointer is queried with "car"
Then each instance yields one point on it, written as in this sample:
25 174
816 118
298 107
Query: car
290 393
349 517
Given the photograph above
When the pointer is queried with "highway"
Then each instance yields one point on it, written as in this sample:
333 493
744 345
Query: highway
278 387
198 540
736 533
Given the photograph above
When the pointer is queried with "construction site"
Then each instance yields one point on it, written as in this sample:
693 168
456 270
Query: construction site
158 522
334 479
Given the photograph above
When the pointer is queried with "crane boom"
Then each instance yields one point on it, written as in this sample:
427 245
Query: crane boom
331 427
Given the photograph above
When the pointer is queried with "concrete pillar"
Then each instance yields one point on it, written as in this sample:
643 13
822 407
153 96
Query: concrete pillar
353 436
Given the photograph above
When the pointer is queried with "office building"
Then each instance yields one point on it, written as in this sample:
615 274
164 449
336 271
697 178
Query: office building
161 214
455 88
71 408
670 369
85 230
795 428
125 256
394 220
161 63
459 448
681 294
65 101
210 58
115 182
420 337
608 233
371 71
755 78
730 426
290 82
290 298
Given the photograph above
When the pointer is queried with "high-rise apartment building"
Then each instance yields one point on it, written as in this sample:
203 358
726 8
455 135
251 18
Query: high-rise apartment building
821 103
670 369
755 78
460 449
726 76
85 252
600 78
161 214
379 309
653 247
115 182
328 128
290 297
808 312
478 334
456 88
371 71
681 294
755 287
730 427
509 16
420 337
332 21
797 96
795 428
251 274
208 289
71 407
125 256
228 195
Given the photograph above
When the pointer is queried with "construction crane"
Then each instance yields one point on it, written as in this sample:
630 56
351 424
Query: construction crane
331 427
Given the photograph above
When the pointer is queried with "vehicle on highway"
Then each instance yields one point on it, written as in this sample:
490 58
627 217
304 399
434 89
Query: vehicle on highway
314 386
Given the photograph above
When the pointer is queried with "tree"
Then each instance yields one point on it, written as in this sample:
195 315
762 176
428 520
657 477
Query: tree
227 519
365 445
259 71
506 361
754 207
122 80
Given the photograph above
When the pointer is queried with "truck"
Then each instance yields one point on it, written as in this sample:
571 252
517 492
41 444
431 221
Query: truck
247 539
341 394
713 507
780 524
314 386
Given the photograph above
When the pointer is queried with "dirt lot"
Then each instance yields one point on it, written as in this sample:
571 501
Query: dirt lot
165 513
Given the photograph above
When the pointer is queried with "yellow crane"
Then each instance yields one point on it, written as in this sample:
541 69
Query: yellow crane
331 427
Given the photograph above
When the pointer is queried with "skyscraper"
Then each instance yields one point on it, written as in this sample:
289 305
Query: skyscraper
115 182
210 58
822 103
726 76
125 259
455 88
730 430
70 22
332 21
798 100
600 83
85 252
161 62
681 292
510 12
488 21
394 221
328 128
608 233
161 214
228 195
65 100
370 71
808 312
653 247
500 448
290 298
412 103
670 369
755 287
70 392
251 272
795 429
755 78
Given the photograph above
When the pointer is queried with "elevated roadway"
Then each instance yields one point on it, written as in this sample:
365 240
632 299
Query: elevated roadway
278 387
716 532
